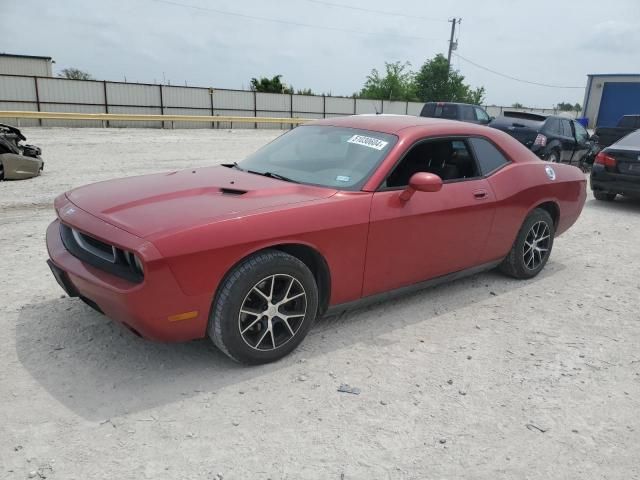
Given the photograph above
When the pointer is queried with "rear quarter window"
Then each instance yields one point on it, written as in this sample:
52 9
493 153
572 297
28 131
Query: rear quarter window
488 156
428 110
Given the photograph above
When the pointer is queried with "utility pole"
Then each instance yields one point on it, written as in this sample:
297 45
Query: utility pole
452 45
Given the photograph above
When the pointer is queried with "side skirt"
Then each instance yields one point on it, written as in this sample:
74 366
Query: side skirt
398 292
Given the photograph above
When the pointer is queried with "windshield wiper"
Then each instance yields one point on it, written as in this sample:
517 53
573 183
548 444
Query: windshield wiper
274 175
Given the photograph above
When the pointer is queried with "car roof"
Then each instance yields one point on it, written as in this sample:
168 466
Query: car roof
408 127
392 124
452 103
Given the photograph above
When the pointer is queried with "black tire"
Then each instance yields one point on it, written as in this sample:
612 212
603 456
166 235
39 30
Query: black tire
244 288
518 263
554 156
605 196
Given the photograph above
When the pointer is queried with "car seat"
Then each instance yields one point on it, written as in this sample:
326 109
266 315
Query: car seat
441 161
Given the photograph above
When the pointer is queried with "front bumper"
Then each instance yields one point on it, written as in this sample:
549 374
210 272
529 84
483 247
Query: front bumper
604 181
145 308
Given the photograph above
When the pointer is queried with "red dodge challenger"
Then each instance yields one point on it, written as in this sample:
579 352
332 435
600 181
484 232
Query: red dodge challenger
328 216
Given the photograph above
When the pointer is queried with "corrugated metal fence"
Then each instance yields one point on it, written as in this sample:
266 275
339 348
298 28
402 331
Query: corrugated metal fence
48 94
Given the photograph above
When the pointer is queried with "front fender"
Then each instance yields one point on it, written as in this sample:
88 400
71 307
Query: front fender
335 227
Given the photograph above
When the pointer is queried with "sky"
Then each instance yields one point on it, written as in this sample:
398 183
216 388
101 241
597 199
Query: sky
324 46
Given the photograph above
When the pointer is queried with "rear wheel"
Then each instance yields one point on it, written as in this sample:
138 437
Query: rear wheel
604 196
264 308
554 156
531 250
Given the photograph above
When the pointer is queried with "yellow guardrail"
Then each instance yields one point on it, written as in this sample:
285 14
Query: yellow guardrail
149 118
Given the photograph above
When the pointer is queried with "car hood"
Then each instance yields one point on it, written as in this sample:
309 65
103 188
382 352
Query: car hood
151 205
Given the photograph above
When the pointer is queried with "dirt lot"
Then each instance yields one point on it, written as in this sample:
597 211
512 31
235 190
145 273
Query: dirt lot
486 377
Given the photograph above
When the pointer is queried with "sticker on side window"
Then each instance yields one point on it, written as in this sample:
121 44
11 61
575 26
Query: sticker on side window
370 142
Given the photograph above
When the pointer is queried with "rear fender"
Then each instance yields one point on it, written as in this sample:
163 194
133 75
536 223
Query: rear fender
521 188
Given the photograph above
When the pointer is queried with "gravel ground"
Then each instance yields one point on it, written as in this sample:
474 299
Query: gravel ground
483 378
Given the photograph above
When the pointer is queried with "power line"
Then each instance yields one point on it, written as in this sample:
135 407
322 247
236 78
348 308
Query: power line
287 22
510 77
371 10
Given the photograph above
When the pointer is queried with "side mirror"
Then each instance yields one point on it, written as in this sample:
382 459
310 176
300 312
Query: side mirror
421 182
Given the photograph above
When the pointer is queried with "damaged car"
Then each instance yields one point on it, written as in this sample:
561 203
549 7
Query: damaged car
18 160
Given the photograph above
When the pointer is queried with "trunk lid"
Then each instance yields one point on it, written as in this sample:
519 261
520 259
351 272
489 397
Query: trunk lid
627 161
522 126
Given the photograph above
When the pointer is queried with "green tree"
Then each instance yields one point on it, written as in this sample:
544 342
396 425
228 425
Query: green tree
517 105
305 91
270 85
74 74
436 82
568 107
397 83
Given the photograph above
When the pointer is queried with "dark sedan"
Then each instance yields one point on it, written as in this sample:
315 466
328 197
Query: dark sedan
552 138
616 170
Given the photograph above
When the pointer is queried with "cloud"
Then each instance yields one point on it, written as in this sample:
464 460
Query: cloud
613 37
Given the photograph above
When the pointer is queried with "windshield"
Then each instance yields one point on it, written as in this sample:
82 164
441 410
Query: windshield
335 157
631 141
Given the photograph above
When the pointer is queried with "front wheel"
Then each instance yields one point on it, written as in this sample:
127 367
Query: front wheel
264 308
531 250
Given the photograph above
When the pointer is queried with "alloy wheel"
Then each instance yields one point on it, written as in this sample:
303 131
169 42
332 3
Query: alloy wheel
272 312
536 245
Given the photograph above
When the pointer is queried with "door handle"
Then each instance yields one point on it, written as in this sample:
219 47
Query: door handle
480 194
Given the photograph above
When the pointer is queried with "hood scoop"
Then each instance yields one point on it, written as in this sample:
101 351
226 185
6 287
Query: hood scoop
232 191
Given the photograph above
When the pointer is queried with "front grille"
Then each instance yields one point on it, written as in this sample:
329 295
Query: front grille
99 254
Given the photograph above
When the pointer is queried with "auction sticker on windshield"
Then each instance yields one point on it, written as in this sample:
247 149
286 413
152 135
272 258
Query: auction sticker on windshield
370 142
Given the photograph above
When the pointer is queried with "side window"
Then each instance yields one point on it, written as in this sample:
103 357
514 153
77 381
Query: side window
489 157
552 126
449 159
467 114
446 111
481 115
566 128
581 133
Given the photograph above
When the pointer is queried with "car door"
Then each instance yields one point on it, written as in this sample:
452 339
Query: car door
433 233
582 141
567 140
